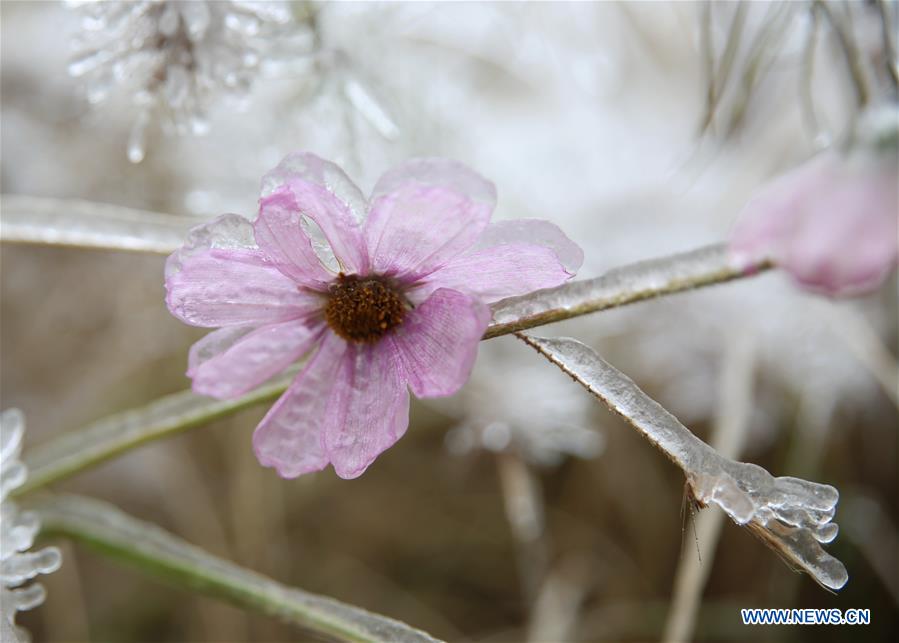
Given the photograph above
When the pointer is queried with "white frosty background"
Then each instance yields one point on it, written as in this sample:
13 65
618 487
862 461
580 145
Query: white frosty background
584 114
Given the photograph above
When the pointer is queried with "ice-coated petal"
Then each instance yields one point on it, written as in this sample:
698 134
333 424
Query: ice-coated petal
438 342
498 272
324 193
234 288
290 437
424 213
225 231
830 223
281 238
437 172
223 366
534 232
368 410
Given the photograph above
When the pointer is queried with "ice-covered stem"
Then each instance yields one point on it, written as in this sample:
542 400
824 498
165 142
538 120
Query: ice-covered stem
87 224
74 451
791 515
153 550
643 280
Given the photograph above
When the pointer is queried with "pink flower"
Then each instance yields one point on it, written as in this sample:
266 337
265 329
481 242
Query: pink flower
383 303
830 223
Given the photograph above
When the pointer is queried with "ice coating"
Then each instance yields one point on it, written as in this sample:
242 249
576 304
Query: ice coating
791 515
230 231
94 521
73 222
628 284
18 530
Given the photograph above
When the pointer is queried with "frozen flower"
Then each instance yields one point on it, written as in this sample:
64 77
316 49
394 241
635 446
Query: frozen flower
382 302
174 57
831 223
17 532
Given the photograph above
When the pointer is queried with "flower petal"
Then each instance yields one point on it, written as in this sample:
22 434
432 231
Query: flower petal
235 287
498 272
324 193
533 232
223 367
280 236
438 342
368 410
849 243
831 223
290 436
424 213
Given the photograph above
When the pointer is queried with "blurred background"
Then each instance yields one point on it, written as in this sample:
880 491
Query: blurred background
519 509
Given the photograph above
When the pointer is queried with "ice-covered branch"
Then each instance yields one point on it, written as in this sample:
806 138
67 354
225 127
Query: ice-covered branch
791 515
643 280
86 224
161 554
74 451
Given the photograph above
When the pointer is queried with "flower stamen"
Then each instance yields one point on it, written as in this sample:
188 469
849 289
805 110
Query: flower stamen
364 309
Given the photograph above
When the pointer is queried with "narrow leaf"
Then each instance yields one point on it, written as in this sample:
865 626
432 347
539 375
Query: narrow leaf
85 224
791 515
153 550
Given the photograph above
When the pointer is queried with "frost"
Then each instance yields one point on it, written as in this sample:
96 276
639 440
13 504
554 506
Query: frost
17 532
792 516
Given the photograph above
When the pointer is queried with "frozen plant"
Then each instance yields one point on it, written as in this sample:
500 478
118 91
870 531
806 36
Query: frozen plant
17 532
792 516
176 57
387 296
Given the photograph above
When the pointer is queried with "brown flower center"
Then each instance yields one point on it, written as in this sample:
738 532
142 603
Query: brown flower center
363 309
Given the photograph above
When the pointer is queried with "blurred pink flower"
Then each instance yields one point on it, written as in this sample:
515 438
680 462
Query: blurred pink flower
831 223
385 298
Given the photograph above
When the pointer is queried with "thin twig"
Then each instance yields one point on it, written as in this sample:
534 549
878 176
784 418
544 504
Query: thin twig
763 54
643 280
889 49
718 81
850 53
807 78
